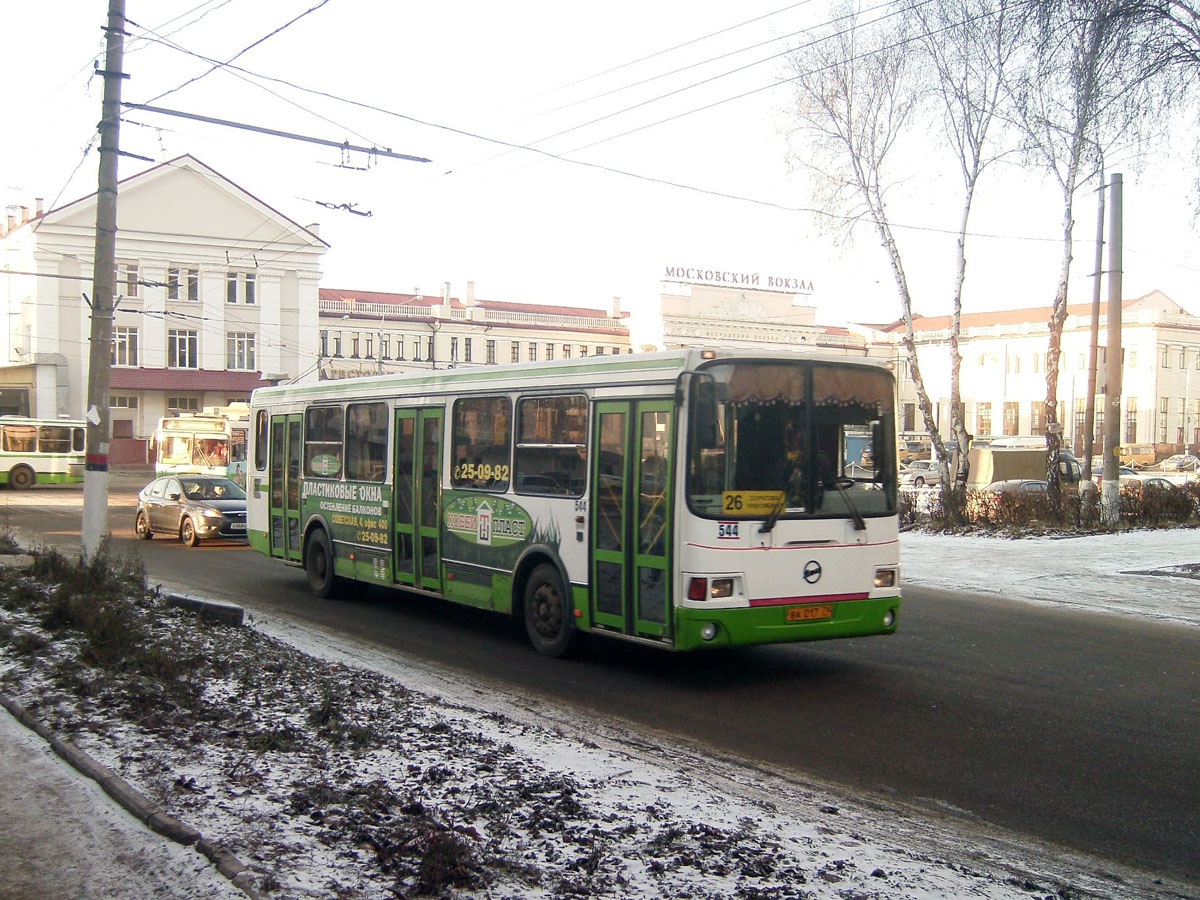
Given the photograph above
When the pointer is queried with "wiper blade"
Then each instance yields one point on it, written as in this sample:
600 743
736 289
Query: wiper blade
860 524
769 523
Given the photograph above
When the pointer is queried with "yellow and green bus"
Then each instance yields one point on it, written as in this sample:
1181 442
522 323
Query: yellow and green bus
682 499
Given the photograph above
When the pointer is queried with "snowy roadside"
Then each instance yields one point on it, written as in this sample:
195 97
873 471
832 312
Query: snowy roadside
525 800
1147 574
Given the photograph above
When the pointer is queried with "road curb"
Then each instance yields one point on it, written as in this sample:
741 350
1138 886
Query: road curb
209 610
137 804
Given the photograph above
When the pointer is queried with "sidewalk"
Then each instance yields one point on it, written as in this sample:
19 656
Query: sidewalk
62 838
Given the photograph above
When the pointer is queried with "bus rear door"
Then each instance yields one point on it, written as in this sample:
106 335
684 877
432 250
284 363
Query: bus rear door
286 446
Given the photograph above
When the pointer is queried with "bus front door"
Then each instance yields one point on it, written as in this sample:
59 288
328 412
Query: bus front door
631 518
284 488
417 493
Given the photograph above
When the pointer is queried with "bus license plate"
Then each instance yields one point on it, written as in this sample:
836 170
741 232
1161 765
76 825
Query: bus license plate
808 613
237 526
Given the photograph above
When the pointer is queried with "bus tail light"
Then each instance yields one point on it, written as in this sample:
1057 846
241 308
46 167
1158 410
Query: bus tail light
698 589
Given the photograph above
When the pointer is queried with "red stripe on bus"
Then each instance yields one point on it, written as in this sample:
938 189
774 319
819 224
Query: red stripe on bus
816 598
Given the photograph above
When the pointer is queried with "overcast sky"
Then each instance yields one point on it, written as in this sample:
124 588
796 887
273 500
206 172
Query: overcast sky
667 123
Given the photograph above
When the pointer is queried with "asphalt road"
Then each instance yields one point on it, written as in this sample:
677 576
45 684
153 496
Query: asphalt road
1078 730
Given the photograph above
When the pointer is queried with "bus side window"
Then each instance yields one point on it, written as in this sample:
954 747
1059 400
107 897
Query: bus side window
551 455
482 442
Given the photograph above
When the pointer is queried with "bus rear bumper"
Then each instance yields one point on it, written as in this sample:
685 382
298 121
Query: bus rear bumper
698 628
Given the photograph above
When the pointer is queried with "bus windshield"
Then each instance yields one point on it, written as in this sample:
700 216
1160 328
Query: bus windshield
770 440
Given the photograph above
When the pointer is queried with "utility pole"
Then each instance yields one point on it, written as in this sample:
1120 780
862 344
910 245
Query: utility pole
99 427
1112 369
1089 435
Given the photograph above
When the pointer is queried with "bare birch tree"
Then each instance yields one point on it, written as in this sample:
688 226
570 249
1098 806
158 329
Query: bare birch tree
968 44
1085 90
857 93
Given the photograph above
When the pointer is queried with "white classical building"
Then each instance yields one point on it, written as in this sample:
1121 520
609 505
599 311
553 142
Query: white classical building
748 311
369 332
216 295
1003 376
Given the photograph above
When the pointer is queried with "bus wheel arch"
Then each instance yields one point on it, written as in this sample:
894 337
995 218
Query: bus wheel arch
545 608
319 564
21 477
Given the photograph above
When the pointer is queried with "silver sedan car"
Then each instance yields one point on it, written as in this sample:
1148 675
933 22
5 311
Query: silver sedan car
191 508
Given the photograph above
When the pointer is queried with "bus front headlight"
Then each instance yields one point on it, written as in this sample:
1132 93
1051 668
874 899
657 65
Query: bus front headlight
885 578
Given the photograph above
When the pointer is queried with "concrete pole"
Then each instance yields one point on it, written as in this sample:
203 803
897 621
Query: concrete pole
1112 367
99 429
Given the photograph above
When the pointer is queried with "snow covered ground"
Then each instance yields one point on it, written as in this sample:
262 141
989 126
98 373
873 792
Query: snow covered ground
621 815
1150 574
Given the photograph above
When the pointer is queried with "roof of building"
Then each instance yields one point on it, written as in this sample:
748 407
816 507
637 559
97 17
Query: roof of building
1035 315
429 301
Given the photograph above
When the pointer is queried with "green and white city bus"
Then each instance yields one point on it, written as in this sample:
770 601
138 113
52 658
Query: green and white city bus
683 499
41 451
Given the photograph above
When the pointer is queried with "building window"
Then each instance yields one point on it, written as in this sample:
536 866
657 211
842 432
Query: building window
582 350
240 287
566 351
532 351
239 351
1011 417
1182 420
1133 359
337 345
1166 357
491 353
182 350
1081 416
183 404
1037 416
385 346
453 349
122 401
124 346
1183 357
127 278
1162 420
354 346
324 344
984 419
416 350
466 349
514 351
183 283
1131 420
549 351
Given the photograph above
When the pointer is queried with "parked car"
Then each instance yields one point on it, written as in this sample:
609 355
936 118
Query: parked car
1181 462
921 472
1156 483
1017 487
1123 472
191 508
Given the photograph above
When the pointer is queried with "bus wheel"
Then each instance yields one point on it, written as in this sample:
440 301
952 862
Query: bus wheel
21 477
547 612
188 534
142 526
318 564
